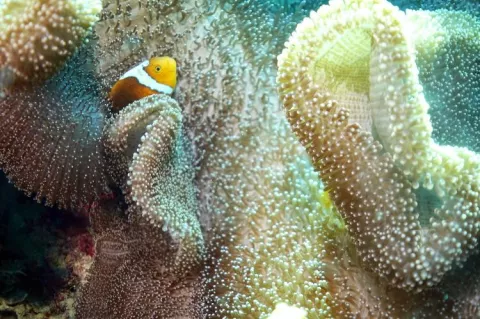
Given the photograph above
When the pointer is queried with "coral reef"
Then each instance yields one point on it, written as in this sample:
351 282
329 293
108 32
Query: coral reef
42 263
370 70
222 213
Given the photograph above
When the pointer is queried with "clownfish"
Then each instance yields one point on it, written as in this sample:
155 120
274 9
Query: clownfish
157 75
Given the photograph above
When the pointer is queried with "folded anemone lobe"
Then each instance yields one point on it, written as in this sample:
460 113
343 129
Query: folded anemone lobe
350 86
150 161
50 142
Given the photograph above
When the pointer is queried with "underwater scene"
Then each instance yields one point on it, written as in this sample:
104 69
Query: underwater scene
239 159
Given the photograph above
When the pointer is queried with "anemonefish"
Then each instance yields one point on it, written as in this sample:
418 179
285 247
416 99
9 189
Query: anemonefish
157 75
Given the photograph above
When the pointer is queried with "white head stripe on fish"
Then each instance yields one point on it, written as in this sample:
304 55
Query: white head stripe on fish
145 79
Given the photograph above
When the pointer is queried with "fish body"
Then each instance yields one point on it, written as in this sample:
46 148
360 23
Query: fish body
154 76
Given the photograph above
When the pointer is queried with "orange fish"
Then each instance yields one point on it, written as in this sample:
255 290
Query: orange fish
157 75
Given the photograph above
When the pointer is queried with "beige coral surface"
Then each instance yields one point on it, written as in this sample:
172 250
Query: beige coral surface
37 36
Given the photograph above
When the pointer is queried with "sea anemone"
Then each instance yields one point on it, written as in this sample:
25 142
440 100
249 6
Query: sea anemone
350 86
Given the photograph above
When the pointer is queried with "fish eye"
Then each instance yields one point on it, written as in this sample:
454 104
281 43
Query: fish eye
158 68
